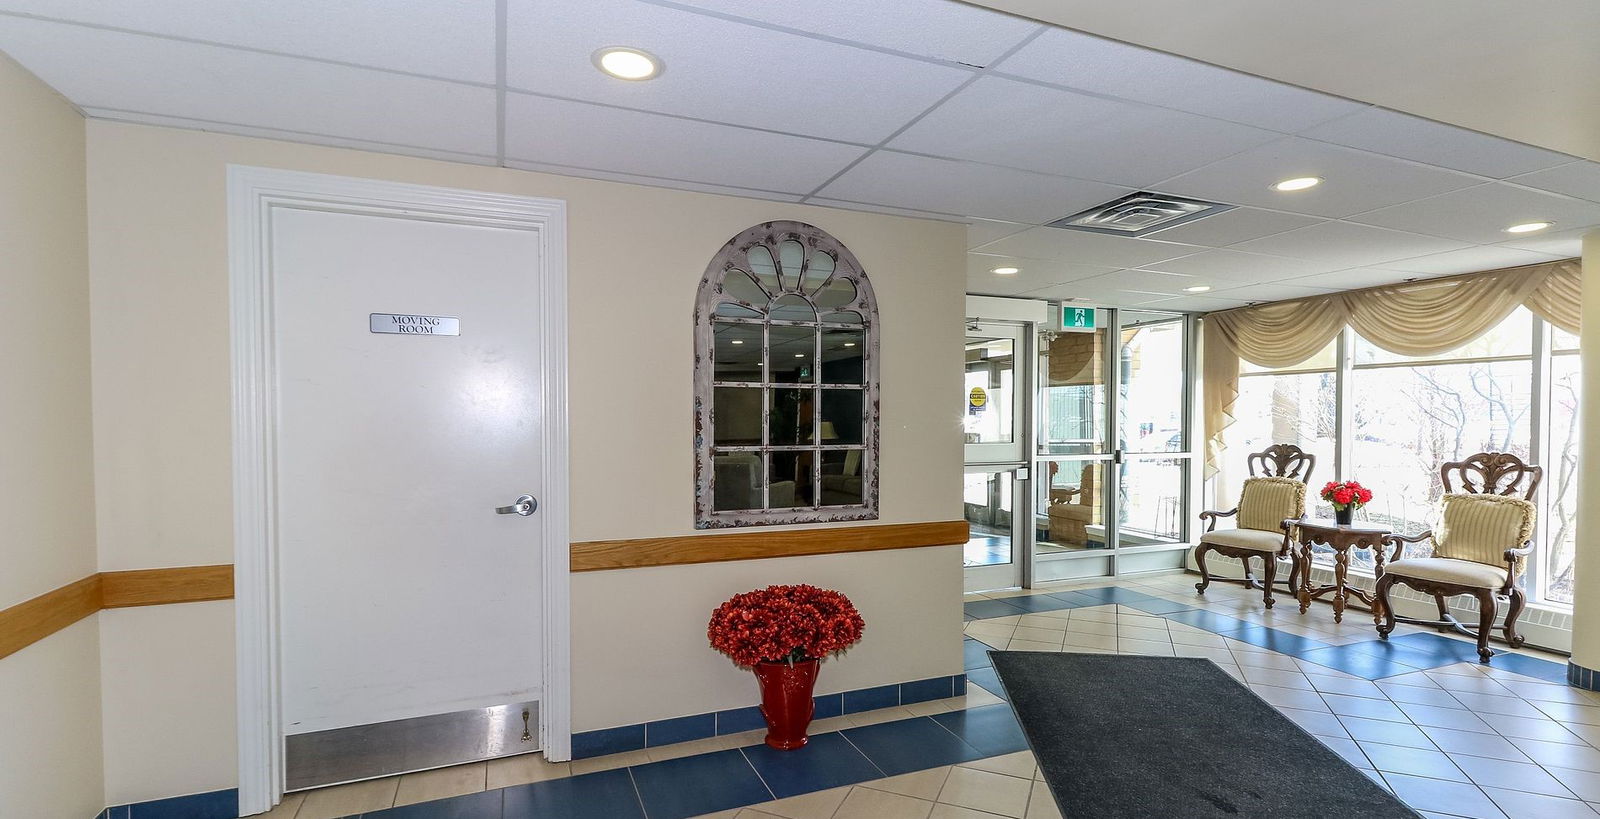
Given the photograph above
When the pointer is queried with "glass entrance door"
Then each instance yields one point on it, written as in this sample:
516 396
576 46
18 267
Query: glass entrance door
1152 432
996 427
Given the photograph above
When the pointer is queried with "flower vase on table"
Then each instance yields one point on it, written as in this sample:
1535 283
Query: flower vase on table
782 633
1346 497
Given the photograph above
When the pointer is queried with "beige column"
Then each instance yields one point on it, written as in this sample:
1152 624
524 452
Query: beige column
1586 593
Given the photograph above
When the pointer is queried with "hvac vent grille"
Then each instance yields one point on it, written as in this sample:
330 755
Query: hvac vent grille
1140 213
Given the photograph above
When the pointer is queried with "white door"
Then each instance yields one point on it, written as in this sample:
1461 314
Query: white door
403 593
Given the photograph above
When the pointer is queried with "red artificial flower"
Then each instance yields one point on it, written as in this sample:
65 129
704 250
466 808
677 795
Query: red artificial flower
784 623
1343 495
1346 493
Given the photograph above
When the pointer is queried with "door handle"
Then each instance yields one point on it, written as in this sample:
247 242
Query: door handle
525 505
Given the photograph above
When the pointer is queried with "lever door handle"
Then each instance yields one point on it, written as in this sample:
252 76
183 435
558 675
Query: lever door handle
524 506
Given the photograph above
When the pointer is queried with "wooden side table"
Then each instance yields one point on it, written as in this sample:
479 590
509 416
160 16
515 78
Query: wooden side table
1341 538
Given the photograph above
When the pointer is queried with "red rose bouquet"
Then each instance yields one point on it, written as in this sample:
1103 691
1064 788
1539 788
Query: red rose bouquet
1346 495
784 624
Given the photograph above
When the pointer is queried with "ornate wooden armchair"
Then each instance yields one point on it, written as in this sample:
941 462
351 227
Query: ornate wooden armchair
1265 502
1480 547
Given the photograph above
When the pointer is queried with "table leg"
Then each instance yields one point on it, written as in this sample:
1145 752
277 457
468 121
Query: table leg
1341 568
1377 572
1302 555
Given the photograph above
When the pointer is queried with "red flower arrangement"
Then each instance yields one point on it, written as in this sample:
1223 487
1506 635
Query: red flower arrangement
1346 494
784 624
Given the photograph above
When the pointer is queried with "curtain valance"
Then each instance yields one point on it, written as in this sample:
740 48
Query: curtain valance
1412 319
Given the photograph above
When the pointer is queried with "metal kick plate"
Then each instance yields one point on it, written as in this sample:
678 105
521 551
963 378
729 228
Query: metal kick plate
402 746
407 324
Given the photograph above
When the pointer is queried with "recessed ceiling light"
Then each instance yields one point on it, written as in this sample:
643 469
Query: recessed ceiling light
799 355
1005 271
849 344
737 341
1528 227
1199 288
1298 183
627 63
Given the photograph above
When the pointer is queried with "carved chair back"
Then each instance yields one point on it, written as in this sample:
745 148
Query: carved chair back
1484 473
1282 461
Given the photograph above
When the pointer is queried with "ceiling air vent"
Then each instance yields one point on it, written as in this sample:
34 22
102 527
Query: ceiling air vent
1140 213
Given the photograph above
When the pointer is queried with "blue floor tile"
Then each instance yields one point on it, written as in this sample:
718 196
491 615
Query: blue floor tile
827 761
1341 658
1531 667
1274 640
1418 655
1034 604
871 699
989 681
910 745
485 805
984 609
934 688
213 805
976 654
992 729
599 795
1159 606
1114 594
1208 620
1077 600
694 785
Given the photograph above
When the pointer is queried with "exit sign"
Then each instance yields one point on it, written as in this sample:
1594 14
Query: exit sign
1077 318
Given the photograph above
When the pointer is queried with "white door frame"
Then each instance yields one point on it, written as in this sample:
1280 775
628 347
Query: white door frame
253 195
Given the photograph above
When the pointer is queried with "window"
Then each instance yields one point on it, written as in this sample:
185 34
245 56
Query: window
1406 416
786 382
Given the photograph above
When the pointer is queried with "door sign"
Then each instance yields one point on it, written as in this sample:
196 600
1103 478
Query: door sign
410 325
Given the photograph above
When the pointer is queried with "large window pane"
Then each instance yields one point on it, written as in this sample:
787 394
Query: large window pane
987 498
1561 481
1150 406
1072 406
1070 506
1409 420
1150 502
991 371
1297 409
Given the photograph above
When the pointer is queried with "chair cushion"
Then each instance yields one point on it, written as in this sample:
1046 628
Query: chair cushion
1253 539
1480 528
1447 570
1266 502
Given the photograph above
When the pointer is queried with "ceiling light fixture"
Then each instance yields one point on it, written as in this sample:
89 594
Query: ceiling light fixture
1298 183
1199 288
1528 227
627 63
1006 271
849 344
737 341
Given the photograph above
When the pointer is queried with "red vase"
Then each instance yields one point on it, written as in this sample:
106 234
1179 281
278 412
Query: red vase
786 701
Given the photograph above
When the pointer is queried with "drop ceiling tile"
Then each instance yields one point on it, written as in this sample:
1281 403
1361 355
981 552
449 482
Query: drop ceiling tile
1102 291
1083 61
1036 128
559 132
1353 181
1196 304
983 231
1565 244
1151 281
1353 278
454 40
1220 266
1580 179
1088 248
721 70
940 29
1481 214
1257 293
1231 226
1348 245
1424 140
1031 273
97 68
652 181
864 207
966 188
1469 260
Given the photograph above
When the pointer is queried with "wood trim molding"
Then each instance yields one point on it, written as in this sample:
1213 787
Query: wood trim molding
602 555
33 620
157 587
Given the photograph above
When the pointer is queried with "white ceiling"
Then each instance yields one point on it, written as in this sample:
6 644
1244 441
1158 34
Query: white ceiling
923 107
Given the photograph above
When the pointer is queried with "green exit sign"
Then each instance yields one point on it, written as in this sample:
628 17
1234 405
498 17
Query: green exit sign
1077 318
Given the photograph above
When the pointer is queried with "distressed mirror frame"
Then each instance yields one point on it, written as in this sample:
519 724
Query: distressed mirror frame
734 256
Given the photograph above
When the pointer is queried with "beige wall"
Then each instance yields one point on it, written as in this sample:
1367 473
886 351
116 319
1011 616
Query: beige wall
1586 590
49 692
158 259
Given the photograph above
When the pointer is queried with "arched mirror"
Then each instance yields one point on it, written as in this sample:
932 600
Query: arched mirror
786 382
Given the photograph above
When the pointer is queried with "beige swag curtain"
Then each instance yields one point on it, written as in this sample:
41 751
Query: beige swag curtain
1413 319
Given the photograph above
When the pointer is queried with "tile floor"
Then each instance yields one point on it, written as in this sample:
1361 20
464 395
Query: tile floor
1418 715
